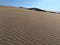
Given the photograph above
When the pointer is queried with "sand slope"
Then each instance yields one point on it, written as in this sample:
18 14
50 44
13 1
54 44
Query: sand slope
27 27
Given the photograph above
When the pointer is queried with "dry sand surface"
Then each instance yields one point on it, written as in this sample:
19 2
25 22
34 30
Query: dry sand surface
28 27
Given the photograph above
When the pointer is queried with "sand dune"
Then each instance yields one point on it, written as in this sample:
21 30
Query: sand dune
20 26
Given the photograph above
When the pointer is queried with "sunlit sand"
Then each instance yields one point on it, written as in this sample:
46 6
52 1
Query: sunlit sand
20 26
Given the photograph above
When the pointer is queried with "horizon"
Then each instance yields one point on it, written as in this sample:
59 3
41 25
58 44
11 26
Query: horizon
52 5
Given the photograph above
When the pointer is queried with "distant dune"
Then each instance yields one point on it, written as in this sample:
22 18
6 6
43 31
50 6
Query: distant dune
20 26
37 9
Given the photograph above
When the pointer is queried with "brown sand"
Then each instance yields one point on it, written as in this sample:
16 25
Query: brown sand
27 27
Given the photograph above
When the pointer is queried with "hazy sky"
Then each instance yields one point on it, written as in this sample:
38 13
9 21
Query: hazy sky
53 5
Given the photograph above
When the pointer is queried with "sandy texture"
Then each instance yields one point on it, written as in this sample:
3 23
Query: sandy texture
27 27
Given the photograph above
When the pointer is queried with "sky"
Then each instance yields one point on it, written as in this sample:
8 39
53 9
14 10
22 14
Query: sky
51 5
